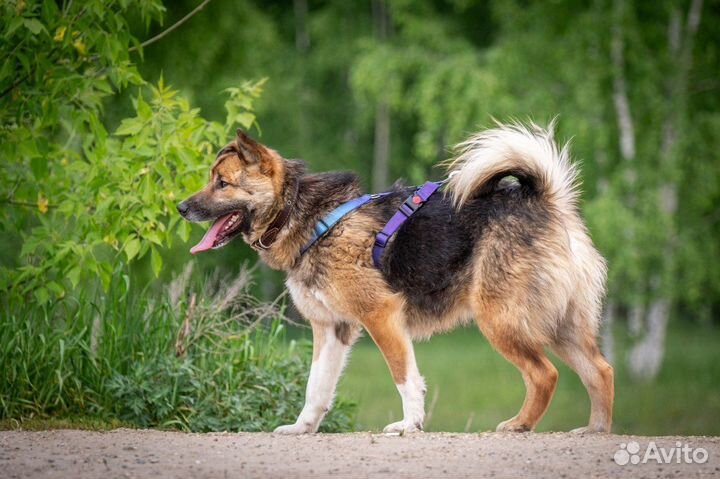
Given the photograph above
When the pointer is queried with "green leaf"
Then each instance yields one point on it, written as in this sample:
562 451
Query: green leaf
74 276
105 279
56 288
245 119
155 261
43 146
41 295
143 109
130 126
39 167
153 236
184 231
15 23
34 25
132 247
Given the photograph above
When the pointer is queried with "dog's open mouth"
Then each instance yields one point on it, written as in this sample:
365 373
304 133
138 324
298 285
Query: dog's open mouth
220 233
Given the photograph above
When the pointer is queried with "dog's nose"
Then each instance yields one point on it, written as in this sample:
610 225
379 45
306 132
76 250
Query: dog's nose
183 208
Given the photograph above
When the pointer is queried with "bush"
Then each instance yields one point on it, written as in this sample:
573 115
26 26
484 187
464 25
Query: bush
190 358
66 173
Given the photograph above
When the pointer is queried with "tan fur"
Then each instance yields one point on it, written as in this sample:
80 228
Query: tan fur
319 338
337 283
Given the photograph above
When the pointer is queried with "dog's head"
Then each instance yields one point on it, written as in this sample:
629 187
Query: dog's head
245 187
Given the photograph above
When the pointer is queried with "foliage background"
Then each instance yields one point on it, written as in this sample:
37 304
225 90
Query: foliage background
384 88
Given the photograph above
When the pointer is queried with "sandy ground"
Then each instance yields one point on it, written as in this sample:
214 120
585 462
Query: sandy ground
154 454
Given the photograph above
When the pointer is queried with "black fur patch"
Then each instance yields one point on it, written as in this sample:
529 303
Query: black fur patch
429 258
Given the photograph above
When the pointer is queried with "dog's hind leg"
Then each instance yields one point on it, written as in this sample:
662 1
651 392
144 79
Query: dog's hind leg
582 354
385 324
538 373
331 344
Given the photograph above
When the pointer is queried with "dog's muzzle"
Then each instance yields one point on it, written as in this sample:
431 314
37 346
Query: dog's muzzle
183 208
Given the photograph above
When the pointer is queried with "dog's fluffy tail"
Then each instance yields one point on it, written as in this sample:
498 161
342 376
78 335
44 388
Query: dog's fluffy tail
528 153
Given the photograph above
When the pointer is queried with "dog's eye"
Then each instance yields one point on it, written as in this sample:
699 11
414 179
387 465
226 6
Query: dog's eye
222 184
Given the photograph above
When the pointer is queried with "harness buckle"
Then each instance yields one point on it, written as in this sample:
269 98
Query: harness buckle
413 203
381 239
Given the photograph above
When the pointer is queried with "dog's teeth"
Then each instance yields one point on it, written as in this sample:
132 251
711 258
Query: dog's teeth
233 219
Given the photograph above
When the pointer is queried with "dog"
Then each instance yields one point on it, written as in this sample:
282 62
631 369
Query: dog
502 244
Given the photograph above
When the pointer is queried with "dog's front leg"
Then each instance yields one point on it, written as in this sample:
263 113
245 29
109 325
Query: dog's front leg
331 344
386 326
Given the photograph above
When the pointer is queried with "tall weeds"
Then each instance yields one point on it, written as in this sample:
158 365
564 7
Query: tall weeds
196 357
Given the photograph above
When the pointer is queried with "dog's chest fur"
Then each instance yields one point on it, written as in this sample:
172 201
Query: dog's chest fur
312 302
335 279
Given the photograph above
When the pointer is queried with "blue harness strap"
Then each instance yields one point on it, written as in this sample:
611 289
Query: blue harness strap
324 225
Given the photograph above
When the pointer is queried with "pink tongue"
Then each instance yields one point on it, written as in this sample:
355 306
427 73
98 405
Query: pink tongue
209 239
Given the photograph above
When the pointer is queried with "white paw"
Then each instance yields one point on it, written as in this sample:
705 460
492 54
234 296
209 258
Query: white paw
403 427
589 430
293 429
512 425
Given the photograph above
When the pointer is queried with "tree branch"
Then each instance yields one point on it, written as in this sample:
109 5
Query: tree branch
21 203
162 34
17 83
52 57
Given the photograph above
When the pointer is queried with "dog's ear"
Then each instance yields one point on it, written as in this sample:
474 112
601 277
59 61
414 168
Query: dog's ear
251 149
256 153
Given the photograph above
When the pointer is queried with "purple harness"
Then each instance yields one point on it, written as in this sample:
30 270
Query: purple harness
411 204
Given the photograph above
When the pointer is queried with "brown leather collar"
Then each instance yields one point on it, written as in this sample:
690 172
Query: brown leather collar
267 239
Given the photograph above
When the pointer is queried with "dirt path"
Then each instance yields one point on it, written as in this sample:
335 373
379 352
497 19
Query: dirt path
154 454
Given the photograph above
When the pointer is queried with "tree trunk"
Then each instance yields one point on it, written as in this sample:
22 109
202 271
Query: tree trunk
626 137
381 157
636 320
646 356
302 37
607 337
381 150
626 128
302 44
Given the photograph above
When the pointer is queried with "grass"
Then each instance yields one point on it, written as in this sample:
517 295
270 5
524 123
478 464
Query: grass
472 388
133 359
84 423
193 357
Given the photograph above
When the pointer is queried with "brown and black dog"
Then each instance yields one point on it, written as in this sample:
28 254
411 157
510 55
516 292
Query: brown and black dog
503 245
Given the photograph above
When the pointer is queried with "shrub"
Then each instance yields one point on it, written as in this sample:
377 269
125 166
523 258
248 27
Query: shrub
66 175
219 360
